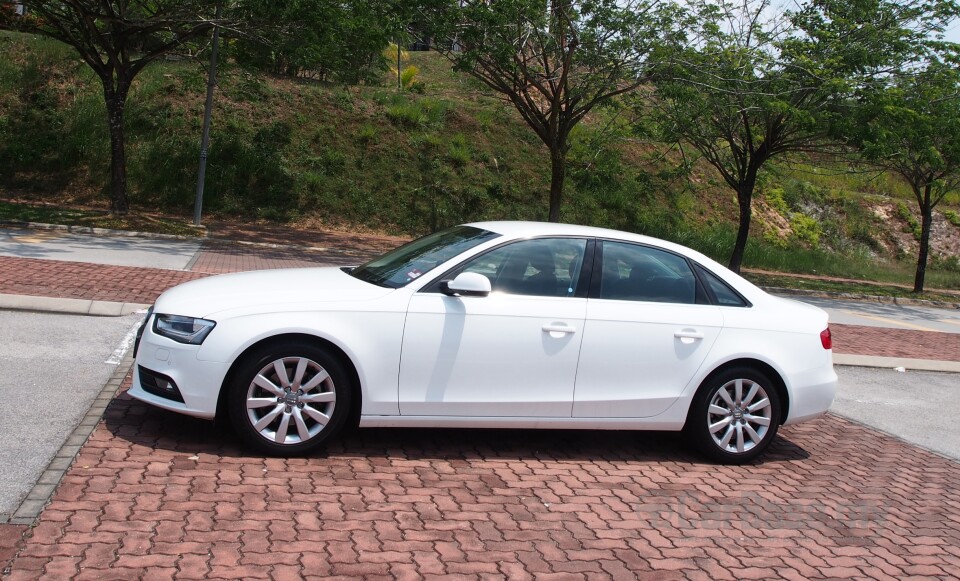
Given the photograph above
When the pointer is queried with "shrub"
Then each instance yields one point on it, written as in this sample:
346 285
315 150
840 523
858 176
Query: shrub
806 229
458 151
408 77
913 225
946 263
952 217
367 134
774 197
417 113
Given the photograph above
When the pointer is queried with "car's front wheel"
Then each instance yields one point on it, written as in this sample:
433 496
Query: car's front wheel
735 415
286 399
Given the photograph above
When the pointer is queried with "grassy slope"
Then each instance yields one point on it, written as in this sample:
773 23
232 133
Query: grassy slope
408 162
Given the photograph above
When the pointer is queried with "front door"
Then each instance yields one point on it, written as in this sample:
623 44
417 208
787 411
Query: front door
510 354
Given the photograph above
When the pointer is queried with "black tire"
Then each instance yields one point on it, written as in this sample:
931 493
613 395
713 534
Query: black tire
304 413
730 431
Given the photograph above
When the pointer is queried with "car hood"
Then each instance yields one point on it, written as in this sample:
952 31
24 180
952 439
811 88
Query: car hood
265 290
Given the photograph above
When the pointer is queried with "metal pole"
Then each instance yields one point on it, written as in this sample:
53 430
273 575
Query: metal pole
207 112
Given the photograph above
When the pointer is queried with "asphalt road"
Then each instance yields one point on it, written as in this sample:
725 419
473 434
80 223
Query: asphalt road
887 315
919 406
52 366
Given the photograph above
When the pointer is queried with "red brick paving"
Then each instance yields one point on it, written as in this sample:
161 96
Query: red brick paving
221 256
80 280
10 536
883 342
158 495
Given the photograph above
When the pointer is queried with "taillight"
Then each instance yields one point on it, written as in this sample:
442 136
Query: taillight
825 339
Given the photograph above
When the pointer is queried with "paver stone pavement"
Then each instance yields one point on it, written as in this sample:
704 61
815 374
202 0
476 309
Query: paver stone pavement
153 494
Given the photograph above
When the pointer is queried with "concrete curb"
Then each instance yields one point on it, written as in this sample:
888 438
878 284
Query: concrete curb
884 300
68 306
41 493
895 362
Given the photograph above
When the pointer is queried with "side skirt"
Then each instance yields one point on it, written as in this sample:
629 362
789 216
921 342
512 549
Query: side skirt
518 422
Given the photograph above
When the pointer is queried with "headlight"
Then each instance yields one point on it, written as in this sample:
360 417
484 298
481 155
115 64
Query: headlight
182 329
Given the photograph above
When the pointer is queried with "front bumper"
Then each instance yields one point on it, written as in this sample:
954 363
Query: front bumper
160 361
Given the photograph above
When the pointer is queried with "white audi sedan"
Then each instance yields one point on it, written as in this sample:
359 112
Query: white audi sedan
492 325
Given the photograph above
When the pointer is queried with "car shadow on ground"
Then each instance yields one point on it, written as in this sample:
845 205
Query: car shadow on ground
143 425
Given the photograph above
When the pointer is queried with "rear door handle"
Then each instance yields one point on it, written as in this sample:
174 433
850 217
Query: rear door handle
688 336
558 329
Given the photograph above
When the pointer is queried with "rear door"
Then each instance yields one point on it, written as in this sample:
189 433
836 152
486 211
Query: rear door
645 335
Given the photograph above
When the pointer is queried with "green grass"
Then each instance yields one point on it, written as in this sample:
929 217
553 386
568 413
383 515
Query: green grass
44 214
859 288
836 176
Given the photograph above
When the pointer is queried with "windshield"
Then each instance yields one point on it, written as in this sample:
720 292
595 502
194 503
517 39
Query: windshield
414 259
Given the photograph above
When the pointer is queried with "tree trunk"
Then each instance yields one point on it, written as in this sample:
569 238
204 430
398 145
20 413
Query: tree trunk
116 100
558 173
744 198
926 211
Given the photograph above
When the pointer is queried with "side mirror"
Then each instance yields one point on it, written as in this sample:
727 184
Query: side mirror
467 284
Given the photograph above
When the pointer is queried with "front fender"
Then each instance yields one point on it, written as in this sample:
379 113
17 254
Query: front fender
371 340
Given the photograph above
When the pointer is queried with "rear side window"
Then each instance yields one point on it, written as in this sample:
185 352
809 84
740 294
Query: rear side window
724 295
632 272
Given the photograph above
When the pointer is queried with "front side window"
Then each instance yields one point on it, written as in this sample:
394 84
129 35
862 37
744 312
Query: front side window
548 267
631 272
403 265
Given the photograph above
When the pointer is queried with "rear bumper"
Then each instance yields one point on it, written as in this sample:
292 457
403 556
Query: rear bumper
812 394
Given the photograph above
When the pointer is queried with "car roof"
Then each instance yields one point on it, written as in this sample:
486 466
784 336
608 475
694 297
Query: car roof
521 229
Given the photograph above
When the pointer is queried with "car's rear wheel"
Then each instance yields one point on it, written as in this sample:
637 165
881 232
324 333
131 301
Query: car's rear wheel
735 415
287 399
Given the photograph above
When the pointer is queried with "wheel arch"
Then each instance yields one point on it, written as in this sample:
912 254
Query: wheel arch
762 367
332 348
